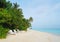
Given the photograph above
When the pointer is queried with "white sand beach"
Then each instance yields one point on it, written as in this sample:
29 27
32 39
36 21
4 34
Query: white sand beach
32 36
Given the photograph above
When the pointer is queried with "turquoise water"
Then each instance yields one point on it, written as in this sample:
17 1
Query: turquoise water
49 30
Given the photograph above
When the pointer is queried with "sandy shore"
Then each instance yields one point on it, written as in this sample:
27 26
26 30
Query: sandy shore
32 36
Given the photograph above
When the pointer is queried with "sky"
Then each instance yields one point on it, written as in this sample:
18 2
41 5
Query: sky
45 13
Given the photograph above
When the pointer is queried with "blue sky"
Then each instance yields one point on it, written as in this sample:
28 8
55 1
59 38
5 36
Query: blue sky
46 13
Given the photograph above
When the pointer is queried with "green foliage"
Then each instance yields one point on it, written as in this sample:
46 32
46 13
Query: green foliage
3 32
11 17
30 19
2 3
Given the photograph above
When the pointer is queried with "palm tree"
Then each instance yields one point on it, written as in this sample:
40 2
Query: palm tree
16 5
30 19
2 3
8 5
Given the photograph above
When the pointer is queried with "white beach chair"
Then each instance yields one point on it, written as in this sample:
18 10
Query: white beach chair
12 33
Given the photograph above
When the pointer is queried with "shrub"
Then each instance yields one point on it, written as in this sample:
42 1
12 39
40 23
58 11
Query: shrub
3 32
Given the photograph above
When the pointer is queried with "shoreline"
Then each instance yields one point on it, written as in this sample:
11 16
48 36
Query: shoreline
54 33
31 36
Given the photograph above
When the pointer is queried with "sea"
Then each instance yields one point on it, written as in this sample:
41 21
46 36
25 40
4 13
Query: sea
55 31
